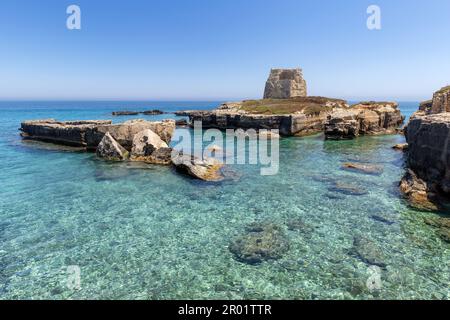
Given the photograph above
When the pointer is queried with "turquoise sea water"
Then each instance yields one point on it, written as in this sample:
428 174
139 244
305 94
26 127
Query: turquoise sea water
145 232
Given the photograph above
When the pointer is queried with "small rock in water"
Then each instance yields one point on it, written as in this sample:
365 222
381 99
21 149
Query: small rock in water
363 168
347 189
401 147
299 225
204 169
382 219
261 242
366 250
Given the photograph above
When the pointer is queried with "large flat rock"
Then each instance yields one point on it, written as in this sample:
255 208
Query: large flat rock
70 133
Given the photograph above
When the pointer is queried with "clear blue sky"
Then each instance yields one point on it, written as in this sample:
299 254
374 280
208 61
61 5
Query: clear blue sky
221 49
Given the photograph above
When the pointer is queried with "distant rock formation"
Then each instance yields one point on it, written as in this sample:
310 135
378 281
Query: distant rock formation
292 117
364 118
285 84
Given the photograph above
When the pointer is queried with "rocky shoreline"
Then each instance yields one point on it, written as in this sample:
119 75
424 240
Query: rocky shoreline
303 116
425 185
427 182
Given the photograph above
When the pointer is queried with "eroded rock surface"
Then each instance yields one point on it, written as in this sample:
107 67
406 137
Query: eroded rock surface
292 117
365 118
428 139
260 242
70 133
124 133
145 143
110 149
417 192
203 169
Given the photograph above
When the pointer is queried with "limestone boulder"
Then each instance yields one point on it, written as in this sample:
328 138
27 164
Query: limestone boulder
124 133
203 169
342 125
145 143
417 192
110 149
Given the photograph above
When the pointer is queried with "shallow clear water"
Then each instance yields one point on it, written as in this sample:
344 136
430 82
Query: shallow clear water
145 232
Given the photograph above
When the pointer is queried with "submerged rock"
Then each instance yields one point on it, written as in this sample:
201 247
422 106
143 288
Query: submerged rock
206 169
347 189
110 149
363 168
366 250
382 219
417 192
298 224
443 227
261 242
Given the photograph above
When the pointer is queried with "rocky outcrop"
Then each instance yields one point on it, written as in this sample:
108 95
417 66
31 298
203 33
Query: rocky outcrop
417 192
428 159
260 242
154 112
71 133
203 169
125 113
89 134
285 84
428 138
441 101
292 117
145 143
124 133
370 118
133 113
110 149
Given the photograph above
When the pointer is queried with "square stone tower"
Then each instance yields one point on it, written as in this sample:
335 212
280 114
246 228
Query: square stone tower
285 84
